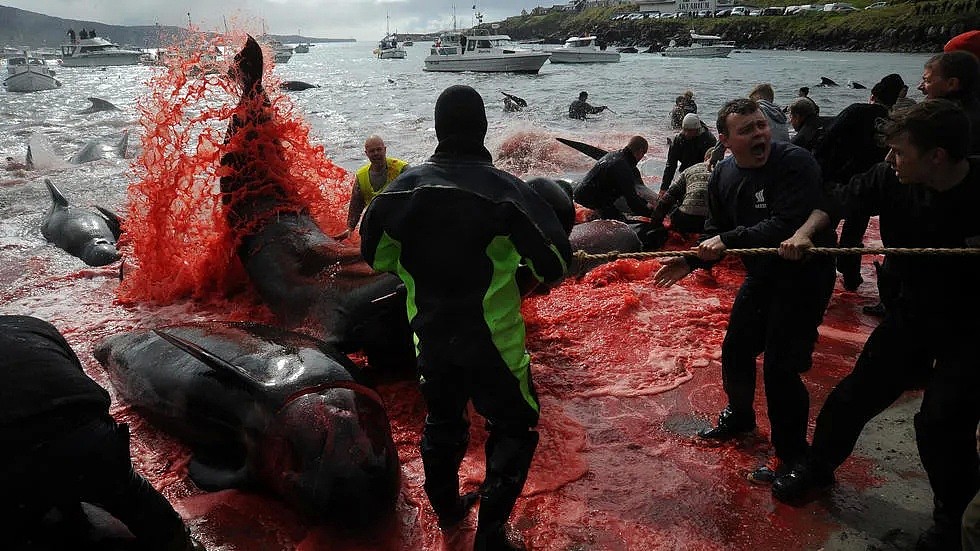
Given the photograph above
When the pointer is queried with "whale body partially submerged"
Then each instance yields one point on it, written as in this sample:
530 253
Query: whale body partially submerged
263 408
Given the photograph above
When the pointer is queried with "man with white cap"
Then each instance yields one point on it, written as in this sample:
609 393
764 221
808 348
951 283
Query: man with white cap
687 148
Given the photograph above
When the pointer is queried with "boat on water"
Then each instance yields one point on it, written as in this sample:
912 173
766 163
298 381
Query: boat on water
583 49
29 74
702 45
280 52
408 43
301 48
388 48
479 51
96 51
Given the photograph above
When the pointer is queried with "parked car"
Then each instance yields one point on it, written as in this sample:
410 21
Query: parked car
740 10
876 5
774 10
723 13
839 7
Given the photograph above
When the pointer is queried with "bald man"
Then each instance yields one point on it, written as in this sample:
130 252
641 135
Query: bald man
370 180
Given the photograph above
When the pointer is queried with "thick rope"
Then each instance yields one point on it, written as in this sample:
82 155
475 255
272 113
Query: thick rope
905 251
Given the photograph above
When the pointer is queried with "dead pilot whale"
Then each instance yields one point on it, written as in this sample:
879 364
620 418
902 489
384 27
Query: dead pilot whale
263 408
299 271
90 236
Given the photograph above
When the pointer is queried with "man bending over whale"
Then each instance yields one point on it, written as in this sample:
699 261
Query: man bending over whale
455 230
63 449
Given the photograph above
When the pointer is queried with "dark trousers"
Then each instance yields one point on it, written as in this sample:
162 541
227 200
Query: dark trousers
686 223
778 316
852 235
88 464
902 354
506 399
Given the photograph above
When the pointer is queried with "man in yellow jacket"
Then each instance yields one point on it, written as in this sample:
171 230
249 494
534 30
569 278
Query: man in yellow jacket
370 180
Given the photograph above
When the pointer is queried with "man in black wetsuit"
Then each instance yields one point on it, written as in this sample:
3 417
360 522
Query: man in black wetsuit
757 197
616 177
63 449
925 194
580 107
455 230
852 144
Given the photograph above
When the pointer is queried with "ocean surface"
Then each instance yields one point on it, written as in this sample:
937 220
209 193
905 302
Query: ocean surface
615 358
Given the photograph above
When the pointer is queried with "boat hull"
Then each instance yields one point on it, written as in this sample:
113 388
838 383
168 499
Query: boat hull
560 56
30 81
101 60
517 62
392 53
705 51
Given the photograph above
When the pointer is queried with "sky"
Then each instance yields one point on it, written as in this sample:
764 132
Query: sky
360 19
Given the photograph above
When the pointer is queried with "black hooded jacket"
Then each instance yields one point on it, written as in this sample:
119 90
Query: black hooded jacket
455 230
614 176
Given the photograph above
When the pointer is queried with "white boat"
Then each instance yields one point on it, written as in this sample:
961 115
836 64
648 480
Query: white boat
301 49
29 74
388 48
479 51
97 52
702 45
583 49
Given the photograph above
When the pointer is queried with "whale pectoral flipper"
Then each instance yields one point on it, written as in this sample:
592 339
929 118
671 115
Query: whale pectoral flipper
590 150
113 220
215 362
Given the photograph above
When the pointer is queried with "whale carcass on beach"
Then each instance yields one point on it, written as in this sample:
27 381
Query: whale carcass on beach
263 407
90 236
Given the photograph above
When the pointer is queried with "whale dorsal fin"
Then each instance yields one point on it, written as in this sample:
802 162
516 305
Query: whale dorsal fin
99 104
57 197
123 144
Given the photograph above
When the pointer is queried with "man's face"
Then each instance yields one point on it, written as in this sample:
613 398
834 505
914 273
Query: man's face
935 85
911 165
375 150
748 138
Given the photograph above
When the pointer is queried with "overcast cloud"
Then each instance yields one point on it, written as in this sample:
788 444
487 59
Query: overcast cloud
360 19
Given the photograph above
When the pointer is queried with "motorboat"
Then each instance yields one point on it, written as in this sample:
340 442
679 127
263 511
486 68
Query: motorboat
388 48
583 49
29 74
408 43
96 51
702 45
479 51
301 48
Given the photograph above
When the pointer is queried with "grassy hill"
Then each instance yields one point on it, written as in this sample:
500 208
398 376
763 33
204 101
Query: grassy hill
904 27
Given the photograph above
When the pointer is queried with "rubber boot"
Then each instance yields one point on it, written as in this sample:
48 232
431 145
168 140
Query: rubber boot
442 453
509 457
